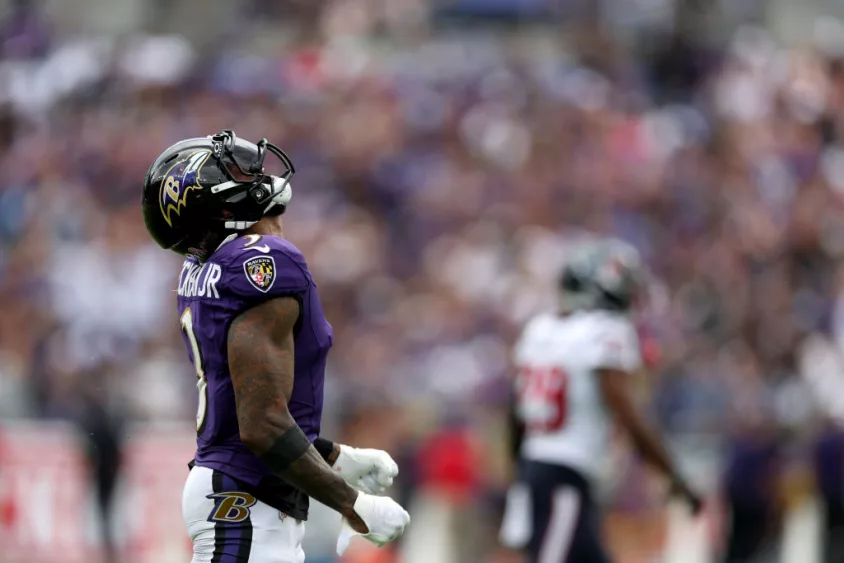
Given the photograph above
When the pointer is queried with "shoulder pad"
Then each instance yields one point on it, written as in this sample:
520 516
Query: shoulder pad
255 265
614 341
534 328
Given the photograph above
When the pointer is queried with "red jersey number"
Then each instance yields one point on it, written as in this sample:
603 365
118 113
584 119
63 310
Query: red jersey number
542 398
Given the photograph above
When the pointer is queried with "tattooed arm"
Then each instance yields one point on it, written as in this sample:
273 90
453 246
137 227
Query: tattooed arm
260 348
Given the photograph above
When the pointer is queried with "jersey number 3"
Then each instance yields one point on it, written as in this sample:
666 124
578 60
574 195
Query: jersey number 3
201 384
542 398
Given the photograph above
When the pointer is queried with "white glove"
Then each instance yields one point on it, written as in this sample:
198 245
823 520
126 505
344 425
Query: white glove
516 525
384 517
370 471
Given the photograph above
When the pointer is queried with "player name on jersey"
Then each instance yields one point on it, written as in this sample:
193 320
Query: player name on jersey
199 280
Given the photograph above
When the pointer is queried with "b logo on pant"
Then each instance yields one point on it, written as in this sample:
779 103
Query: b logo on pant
231 507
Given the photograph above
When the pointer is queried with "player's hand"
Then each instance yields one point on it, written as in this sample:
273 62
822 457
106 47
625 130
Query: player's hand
370 471
681 489
385 520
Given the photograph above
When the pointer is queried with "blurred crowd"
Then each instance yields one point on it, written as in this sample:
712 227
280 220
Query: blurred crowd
440 180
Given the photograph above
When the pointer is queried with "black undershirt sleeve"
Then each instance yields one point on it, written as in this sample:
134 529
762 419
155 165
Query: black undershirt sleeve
324 447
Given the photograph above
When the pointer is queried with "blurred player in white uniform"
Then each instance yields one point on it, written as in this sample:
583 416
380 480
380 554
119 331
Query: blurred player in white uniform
575 366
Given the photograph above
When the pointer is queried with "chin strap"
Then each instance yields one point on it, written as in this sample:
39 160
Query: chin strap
239 225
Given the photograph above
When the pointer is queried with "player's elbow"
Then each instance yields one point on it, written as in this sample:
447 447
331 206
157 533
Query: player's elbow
257 442
260 433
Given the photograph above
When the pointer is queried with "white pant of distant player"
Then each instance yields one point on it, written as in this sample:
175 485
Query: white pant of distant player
228 525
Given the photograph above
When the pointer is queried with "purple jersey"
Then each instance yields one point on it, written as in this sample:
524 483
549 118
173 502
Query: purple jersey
242 273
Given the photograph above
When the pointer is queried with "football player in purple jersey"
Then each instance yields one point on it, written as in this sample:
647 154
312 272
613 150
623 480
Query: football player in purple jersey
256 334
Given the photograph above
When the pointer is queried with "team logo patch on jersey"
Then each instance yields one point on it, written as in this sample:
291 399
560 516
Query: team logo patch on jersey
231 507
181 179
260 271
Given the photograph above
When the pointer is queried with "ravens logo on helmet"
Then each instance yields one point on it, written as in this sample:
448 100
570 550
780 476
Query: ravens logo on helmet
212 186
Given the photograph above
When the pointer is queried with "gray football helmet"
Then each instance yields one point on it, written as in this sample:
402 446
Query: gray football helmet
605 274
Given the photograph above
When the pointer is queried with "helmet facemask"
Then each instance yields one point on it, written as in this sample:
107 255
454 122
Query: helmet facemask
255 187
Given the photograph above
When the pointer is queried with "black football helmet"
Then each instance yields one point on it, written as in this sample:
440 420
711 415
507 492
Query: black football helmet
217 184
606 274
